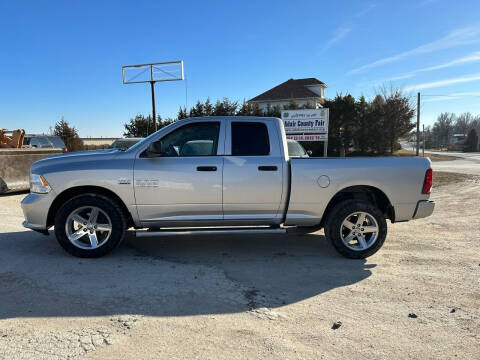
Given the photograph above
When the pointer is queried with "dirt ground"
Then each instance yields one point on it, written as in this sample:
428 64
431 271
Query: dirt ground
268 297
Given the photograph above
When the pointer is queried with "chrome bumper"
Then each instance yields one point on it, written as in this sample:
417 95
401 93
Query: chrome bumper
424 208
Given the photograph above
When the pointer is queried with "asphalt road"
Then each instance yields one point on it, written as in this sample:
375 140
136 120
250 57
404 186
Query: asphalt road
467 163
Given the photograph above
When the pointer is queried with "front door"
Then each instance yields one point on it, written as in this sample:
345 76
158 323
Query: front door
183 185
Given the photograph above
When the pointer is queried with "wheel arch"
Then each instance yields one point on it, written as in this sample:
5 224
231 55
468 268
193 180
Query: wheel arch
73 192
361 192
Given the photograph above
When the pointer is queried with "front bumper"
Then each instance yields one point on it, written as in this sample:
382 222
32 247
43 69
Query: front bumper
35 210
424 208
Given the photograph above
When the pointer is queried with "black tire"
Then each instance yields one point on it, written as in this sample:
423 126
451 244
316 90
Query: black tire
333 227
110 207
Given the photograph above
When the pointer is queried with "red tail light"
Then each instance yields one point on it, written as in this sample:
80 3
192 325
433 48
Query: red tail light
428 182
66 150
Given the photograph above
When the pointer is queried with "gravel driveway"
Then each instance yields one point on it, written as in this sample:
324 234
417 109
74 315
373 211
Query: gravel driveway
247 297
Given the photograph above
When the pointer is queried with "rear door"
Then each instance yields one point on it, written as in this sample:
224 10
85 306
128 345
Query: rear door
252 172
184 184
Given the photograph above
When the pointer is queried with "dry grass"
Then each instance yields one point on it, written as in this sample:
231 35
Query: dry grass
441 178
433 157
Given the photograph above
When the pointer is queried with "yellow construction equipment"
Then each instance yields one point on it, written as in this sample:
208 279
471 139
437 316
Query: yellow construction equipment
15 141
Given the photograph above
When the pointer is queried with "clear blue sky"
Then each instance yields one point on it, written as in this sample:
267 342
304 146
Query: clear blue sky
64 58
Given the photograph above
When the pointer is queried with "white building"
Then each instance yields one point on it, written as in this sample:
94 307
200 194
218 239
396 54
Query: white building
303 91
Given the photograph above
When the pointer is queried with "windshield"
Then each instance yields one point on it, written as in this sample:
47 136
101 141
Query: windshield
56 141
295 149
148 138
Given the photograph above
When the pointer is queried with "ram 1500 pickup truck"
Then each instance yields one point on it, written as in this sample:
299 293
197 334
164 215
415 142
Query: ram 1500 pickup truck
217 175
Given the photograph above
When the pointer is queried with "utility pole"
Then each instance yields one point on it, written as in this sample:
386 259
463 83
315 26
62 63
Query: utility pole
418 123
423 140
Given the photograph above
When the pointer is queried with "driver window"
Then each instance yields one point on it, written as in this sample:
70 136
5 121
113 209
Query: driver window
197 139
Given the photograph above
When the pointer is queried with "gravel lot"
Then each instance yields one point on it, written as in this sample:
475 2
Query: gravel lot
248 297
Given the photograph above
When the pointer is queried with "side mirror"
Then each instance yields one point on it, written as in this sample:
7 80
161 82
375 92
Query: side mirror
309 152
154 149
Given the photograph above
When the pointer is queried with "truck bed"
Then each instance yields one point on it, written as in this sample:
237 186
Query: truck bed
315 181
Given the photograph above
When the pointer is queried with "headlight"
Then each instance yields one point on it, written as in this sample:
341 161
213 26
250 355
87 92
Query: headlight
38 184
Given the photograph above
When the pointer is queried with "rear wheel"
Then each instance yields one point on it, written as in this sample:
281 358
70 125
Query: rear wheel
356 228
90 225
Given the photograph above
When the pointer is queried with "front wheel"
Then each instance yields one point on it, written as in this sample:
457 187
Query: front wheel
90 225
356 228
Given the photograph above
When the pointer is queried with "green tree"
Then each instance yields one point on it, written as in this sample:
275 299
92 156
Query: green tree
362 138
292 105
342 124
272 111
249 109
225 108
69 135
141 126
379 144
182 113
471 143
398 118
208 108
197 110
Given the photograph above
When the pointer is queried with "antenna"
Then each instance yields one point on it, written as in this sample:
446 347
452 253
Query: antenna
152 73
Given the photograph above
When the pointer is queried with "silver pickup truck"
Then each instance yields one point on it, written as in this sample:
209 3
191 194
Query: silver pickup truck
222 175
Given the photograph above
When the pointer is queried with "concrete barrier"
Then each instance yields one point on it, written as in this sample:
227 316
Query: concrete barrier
15 167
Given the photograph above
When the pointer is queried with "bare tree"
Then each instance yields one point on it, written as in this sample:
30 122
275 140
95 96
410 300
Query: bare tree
443 128
463 123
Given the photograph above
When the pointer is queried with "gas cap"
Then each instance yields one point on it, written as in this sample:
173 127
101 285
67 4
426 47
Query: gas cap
323 181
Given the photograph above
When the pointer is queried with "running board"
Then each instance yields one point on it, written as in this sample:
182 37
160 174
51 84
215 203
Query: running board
210 231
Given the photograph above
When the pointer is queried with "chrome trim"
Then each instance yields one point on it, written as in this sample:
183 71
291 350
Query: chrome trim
210 231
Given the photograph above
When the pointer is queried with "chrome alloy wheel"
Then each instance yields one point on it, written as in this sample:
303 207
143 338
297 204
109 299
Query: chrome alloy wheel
88 227
359 231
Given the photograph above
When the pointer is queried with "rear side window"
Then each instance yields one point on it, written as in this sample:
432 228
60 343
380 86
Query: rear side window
250 139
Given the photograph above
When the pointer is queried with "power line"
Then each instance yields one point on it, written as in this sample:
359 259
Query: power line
453 96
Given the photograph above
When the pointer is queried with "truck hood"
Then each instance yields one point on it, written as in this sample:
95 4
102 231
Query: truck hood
58 161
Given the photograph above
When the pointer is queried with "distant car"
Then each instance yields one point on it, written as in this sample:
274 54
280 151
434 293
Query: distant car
125 143
45 142
295 149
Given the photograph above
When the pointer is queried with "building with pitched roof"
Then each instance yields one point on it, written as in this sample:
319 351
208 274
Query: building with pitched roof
302 91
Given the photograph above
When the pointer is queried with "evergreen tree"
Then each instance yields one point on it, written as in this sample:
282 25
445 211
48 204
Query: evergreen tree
208 108
398 118
197 110
182 113
225 108
141 126
471 143
69 135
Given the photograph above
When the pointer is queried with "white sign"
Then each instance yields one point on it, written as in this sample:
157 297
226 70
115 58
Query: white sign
307 121
308 137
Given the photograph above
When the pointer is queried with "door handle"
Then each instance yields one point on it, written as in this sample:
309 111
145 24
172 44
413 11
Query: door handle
206 168
267 168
